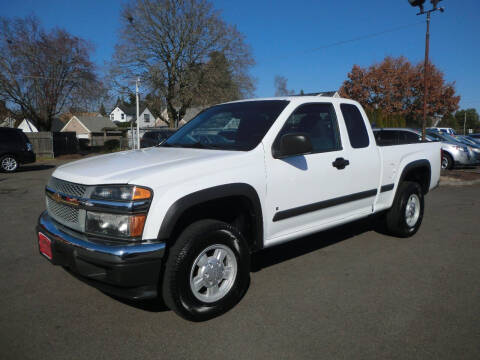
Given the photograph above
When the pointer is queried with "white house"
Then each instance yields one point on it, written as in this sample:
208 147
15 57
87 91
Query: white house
8 122
27 126
123 113
190 113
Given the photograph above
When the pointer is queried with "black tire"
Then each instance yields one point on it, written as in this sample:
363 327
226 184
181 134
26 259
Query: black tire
6 162
447 161
396 218
176 289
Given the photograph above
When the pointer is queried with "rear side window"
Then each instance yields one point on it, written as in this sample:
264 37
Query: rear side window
4 137
13 138
386 137
409 138
357 132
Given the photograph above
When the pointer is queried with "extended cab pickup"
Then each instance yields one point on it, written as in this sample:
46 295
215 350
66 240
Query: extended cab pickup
182 219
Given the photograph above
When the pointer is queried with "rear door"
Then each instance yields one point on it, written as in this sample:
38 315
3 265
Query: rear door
364 158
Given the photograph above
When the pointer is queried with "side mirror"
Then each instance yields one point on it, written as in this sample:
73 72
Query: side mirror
293 145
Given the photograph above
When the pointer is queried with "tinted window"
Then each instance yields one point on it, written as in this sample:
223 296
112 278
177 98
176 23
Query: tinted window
246 123
12 137
435 136
4 137
357 132
386 137
148 135
408 137
319 121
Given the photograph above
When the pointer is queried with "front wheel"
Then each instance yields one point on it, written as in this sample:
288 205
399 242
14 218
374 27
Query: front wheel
207 270
405 216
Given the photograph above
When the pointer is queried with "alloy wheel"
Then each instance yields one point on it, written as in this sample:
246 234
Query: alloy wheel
9 163
213 273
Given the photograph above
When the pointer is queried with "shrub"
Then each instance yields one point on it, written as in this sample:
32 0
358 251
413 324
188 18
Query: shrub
112 144
83 144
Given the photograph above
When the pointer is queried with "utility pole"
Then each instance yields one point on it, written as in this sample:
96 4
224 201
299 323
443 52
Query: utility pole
138 114
132 135
420 3
425 77
465 123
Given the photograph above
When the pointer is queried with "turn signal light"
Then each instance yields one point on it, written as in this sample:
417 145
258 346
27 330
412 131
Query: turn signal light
140 193
137 222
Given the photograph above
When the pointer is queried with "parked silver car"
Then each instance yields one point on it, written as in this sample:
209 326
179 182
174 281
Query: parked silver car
470 142
453 152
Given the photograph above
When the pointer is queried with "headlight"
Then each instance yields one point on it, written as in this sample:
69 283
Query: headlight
29 147
120 193
127 226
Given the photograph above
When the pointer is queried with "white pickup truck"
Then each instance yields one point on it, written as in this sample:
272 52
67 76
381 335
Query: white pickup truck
182 219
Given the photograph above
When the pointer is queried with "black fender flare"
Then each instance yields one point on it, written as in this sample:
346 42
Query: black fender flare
181 205
415 165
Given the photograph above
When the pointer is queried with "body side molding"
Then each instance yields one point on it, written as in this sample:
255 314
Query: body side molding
285 214
386 188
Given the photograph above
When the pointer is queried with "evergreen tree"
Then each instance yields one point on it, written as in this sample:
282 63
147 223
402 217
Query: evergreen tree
102 110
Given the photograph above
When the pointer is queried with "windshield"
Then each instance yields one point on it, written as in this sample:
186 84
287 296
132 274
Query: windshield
468 141
444 137
235 126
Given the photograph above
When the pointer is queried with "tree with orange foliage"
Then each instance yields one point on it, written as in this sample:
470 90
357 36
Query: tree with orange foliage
395 86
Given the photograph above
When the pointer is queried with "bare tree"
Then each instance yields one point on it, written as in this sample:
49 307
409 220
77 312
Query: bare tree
41 73
280 83
185 53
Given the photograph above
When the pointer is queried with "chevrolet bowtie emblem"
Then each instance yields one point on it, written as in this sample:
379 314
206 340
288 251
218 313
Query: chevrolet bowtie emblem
65 199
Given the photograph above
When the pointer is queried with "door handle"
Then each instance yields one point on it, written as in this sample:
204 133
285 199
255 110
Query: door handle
340 163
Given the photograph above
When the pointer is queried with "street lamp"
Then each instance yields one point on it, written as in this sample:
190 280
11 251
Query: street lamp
435 7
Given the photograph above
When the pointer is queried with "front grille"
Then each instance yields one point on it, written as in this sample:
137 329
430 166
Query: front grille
66 215
62 211
67 188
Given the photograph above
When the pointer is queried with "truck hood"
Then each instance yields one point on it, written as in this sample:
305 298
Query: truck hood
127 166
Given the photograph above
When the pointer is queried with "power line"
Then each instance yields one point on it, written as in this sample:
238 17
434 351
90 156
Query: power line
358 38
48 78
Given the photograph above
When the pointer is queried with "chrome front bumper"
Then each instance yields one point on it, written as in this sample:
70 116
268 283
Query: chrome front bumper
126 270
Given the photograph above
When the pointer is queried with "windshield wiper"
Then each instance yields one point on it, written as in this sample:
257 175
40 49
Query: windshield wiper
196 145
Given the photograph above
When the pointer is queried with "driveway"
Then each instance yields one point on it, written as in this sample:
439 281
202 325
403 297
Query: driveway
348 293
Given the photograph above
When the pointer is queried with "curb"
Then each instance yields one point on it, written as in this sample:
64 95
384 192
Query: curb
451 181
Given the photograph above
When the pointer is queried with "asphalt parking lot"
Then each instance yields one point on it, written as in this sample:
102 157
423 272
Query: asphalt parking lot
348 293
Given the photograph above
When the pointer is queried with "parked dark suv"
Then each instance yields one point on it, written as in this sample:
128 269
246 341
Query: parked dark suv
155 137
15 149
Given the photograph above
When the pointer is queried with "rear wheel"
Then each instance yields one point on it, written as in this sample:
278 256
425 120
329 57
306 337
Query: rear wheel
207 271
405 216
447 161
8 163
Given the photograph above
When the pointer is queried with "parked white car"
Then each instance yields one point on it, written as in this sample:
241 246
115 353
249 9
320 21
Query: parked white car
181 220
